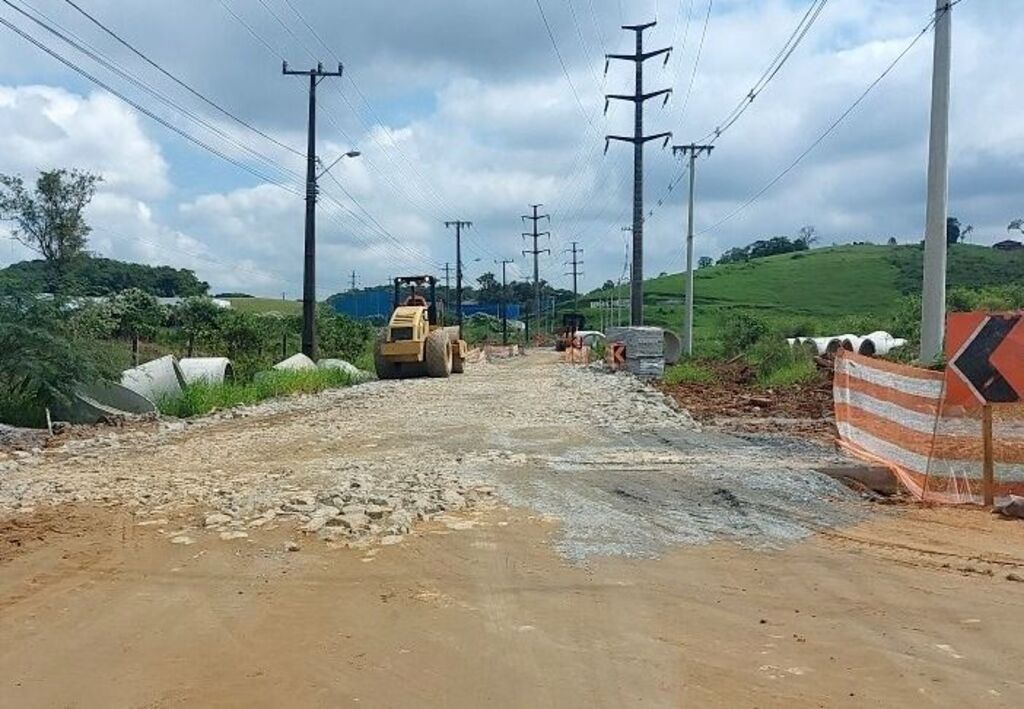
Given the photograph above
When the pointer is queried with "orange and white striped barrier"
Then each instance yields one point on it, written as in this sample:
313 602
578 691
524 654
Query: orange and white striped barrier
896 415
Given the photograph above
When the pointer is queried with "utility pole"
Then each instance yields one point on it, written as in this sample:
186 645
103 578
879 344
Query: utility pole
638 139
575 263
504 301
933 297
353 280
535 218
459 225
447 292
693 151
309 250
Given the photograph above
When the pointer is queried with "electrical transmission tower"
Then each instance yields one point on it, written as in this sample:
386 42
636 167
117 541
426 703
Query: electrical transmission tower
638 139
535 218
309 251
459 226
352 280
504 300
693 151
575 263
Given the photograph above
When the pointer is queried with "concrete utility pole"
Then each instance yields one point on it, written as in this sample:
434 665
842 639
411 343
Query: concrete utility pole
638 139
504 300
694 151
447 292
309 251
933 297
459 226
576 273
535 218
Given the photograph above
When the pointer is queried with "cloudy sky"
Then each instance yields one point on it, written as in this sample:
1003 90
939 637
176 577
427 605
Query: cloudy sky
462 110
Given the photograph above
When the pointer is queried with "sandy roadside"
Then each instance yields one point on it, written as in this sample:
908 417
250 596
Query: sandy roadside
107 614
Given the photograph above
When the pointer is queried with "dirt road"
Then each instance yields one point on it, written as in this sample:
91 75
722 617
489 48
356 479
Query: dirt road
525 535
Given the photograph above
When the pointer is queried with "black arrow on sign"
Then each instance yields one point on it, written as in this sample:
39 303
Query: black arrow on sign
973 361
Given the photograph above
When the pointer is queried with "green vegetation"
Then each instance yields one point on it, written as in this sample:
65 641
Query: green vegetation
202 398
822 291
689 371
94 276
266 305
778 365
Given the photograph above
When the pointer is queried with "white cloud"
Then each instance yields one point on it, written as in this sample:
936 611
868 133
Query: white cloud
44 127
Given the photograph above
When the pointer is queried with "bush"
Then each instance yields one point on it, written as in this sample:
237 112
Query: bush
202 398
739 331
688 371
41 359
778 365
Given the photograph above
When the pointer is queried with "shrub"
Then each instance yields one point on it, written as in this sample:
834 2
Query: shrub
688 371
41 358
739 331
777 364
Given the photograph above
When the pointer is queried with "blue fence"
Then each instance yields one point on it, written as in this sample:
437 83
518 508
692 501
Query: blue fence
377 304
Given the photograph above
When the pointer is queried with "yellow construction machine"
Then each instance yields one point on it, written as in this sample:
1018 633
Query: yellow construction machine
414 343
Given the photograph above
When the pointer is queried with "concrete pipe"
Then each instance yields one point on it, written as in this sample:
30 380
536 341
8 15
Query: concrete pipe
673 347
833 344
155 380
211 370
100 401
880 343
851 343
354 372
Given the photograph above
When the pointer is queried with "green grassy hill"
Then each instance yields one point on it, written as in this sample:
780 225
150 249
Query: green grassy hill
266 305
837 288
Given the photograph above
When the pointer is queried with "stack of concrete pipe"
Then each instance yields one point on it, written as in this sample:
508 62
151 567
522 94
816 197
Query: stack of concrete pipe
645 349
878 343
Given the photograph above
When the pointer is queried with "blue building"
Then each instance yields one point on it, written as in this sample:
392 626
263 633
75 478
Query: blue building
377 304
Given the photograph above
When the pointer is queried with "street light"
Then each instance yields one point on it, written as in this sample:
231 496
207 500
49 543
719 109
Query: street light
349 154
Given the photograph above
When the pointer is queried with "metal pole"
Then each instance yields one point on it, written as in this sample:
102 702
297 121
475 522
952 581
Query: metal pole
636 292
458 267
933 297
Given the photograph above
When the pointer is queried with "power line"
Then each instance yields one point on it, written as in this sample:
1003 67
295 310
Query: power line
828 131
141 109
565 69
210 102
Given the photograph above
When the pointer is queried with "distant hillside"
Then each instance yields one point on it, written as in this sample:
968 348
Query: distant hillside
827 286
250 304
95 276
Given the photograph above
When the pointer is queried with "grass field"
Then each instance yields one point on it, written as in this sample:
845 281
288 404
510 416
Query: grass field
829 288
266 305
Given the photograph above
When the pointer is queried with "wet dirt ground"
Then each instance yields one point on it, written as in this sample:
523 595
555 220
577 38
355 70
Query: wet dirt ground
626 558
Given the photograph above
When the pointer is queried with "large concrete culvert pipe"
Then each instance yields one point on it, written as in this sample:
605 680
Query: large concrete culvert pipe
211 370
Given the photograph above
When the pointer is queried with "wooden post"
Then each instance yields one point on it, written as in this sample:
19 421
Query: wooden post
988 473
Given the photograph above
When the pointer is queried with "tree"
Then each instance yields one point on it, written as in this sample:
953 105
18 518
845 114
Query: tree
136 314
489 290
1017 224
197 317
705 262
49 219
608 285
891 241
953 230
807 237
